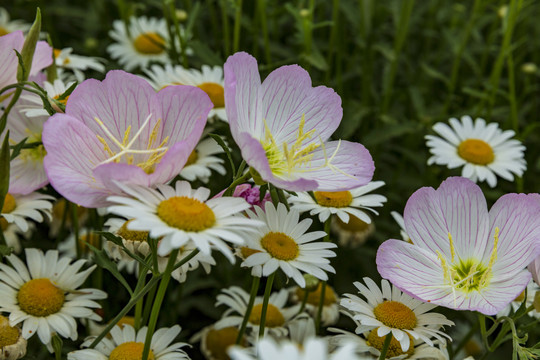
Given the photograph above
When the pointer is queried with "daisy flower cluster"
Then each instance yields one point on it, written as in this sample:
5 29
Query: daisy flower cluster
155 185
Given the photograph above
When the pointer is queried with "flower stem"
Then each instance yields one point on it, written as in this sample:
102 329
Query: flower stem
237 182
157 302
386 344
237 25
252 296
304 301
323 283
75 223
139 306
267 292
262 9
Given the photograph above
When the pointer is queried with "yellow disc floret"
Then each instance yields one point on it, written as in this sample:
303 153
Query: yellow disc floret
280 246
186 214
476 151
40 297
130 351
247 252
9 204
192 159
149 44
314 297
274 317
215 92
395 315
3 31
395 347
132 235
218 342
335 199
8 334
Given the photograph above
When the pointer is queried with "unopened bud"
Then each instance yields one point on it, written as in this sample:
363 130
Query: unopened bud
311 282
181 15
529 68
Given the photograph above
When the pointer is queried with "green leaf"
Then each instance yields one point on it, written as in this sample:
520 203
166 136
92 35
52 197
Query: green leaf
203 52
110 237
431 72
316 59
227 150
5 251
102 260
17 148
4 168
29 47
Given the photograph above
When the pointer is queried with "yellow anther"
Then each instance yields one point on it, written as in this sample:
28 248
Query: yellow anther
452 250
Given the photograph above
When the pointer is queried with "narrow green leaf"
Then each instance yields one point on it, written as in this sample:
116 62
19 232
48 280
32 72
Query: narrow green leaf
17 148
103 260
4 168
52 73
227 150
29 47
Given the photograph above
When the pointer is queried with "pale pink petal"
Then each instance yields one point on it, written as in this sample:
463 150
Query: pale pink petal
501 293
8 59
42 57
534 268
26 176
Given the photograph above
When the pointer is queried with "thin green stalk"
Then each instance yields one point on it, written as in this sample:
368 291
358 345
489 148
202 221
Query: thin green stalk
401 36
459 54
304 302
157 302
168 12
3 119
512 94
332 38
366 14
267 292
75 223
139 306
237 182
307 28
264 27
180 34
385 346
226 33
323 283
237 25
282 198
252 296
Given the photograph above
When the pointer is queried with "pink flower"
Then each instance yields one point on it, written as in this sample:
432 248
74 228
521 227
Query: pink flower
250 193
282 127
534 268
121 131
464 257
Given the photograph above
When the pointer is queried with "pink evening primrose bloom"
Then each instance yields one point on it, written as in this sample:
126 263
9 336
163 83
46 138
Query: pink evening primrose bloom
120 130
462 256
9 60
282 127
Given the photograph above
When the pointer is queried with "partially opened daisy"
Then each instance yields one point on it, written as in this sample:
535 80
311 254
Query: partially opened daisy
330 308
277 314
33 106
282 127
120 130
127 343
64 59
463 256
17 209
209 79
353 202
181 216
45 296
483 150
284 243
202 161
216 342
12 343
387 310
147 41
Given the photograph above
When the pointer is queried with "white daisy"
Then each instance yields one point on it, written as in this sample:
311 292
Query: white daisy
12 344
532 289
126 343
401 222
390 310
44 296
19 208
330 310
312 349
64 59
369 346
216 342
483 150
180 274
33 106
147 42
209 79
7 26
283 243
342 203
180 216
277 315
201 161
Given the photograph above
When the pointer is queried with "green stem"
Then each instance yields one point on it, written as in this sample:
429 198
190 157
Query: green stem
237 25
332 39
323 283
252 296
237 182
282 198
75 223
267 292
3 119
512 94
168 12
386 345
139 306
157 302
264 28
304 302
225 23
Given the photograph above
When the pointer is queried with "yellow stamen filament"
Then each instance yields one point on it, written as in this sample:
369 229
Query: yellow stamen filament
274 317
130 351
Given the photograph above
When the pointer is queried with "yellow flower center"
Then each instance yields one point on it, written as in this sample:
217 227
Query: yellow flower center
57 54
3 224
149 44
280 246
476 151
336 199
8 335
40 297
395 315
247 252
3 31
9 204
131 235
274 317
314 296
215 92
395 347
218 342
354 224
520 297
186 214
130 351
192 159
